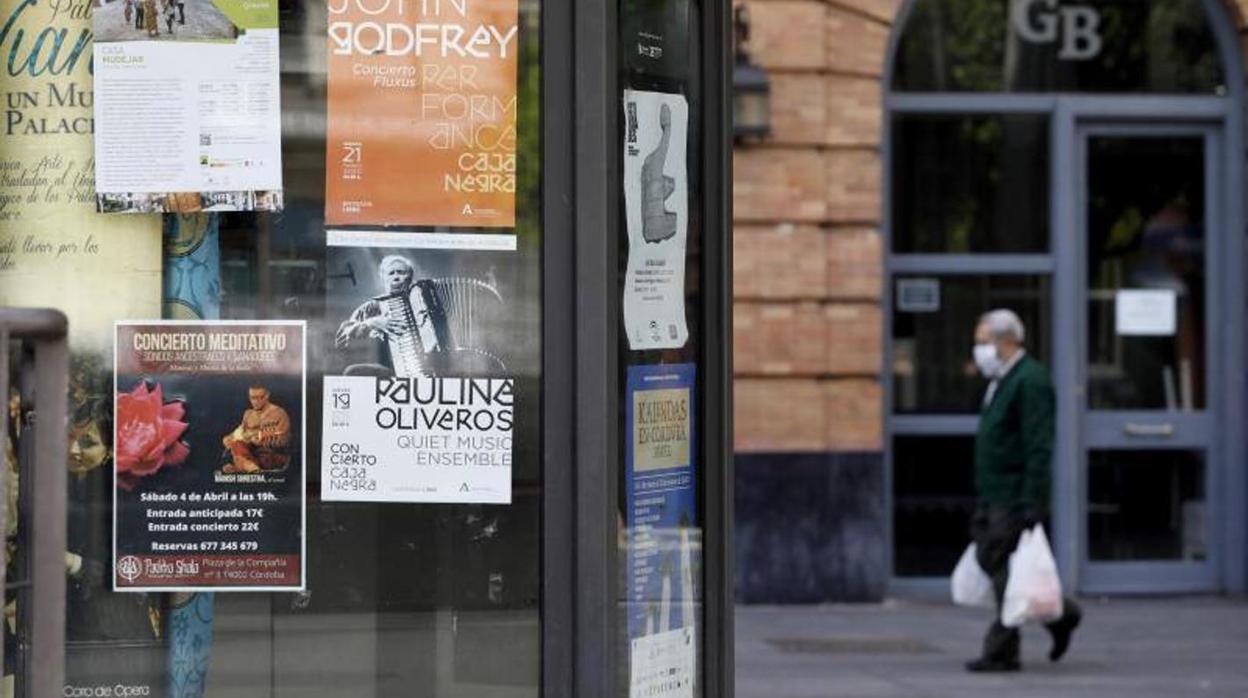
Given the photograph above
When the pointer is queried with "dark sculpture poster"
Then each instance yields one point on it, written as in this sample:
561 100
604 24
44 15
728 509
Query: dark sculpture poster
656 201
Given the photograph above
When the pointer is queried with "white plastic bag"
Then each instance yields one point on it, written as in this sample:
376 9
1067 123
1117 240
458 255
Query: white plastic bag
1034 591
971 586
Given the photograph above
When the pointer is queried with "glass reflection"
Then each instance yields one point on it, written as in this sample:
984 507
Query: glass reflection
1161 46
932 368
933 500
1146 273
1147 505
970 184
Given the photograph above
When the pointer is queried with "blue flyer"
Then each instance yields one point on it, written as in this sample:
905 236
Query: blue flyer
663 560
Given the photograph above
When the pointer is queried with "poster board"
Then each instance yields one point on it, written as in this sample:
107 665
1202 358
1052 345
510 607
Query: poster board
209 478
422 113
187 106
54 250
656 200
419 404
664 534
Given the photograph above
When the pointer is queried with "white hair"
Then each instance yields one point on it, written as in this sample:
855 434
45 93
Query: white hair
1004 324
392 259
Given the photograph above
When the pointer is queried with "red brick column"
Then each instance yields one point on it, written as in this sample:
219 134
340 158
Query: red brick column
808 323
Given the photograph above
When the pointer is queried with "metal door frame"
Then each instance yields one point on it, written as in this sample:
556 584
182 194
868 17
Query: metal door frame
1195 431
584 651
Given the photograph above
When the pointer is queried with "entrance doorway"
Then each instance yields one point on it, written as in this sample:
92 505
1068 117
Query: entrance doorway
1149 226
1100 198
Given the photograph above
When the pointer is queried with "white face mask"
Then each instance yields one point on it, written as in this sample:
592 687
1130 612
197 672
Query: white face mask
986 359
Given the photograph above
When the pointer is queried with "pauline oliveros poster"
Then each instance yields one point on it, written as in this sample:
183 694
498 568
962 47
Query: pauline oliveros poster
422 113
209 467
421 401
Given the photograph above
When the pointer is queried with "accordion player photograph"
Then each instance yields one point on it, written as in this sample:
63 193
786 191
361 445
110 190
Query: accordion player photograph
414 323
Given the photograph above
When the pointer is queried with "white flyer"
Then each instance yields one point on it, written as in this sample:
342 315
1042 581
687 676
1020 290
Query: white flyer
662 665
187 113
417 439
1146 312
656 201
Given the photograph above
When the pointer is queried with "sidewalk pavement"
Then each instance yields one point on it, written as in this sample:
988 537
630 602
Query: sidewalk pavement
1142 648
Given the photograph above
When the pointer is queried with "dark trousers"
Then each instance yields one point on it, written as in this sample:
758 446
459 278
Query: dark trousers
995 531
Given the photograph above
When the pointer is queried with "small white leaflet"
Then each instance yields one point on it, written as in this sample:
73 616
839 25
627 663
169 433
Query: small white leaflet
1146 312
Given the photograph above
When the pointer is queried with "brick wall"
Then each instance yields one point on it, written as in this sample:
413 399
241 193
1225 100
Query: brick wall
808 324
807 209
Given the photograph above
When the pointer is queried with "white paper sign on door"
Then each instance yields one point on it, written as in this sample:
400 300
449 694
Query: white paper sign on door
420 439
1146 312
662 665
656 199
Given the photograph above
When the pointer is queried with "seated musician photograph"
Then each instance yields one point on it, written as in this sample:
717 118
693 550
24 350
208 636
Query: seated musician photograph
419 326
370 320
261 440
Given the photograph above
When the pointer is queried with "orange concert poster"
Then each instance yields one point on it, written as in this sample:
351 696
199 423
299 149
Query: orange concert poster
422 113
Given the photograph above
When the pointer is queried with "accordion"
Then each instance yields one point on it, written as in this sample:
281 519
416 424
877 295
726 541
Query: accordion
445 324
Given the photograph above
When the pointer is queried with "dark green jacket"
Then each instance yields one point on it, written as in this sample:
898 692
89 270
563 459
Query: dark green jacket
1014 444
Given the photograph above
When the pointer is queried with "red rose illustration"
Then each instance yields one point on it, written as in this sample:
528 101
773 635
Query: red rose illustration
148 433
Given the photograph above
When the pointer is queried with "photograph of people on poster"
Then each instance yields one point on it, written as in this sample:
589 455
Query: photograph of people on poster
656 201
419 399
161 20
209 438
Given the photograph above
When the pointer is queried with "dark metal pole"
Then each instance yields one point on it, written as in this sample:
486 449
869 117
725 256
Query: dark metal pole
46 330
559 645
717 360
596 205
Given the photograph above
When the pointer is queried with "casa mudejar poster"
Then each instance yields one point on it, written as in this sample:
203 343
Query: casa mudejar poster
422 113
209 476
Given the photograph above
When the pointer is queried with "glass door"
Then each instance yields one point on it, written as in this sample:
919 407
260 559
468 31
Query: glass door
1149 214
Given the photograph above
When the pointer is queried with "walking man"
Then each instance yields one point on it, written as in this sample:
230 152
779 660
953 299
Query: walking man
1013 458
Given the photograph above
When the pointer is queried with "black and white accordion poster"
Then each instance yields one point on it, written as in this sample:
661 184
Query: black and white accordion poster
656 201
419 403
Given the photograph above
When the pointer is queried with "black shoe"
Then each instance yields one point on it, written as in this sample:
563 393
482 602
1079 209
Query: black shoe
987 665
1061 630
